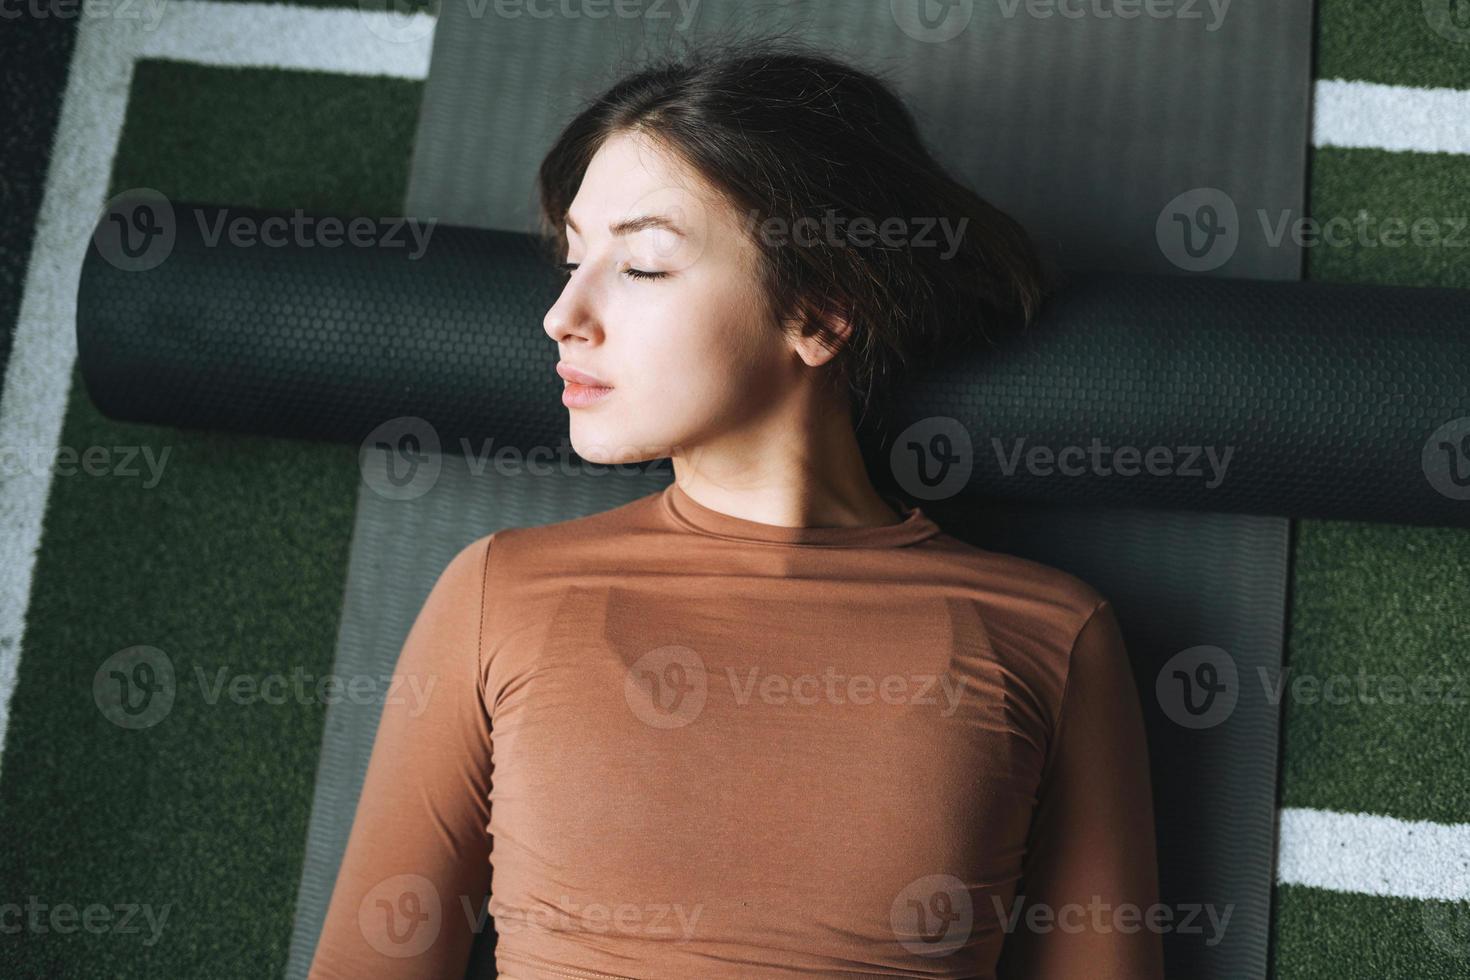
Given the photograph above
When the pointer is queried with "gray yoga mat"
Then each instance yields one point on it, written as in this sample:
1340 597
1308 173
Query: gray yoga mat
399 547
1101 135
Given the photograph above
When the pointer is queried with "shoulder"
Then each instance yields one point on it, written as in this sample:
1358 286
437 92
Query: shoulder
558 543
458 594
516 563
1018 590
1033 616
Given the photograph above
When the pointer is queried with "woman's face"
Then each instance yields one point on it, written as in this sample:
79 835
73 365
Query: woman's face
668 317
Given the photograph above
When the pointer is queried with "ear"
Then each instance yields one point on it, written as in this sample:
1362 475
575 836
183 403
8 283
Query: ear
802 333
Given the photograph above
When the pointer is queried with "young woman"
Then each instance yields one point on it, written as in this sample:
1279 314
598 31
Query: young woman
770 721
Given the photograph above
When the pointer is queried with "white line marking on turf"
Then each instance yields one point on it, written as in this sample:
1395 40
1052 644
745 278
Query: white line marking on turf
345 41
38 375
1374 855
1390 117
1343 852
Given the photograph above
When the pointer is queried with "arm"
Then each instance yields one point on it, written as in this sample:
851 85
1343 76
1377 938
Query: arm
419 849
1092 834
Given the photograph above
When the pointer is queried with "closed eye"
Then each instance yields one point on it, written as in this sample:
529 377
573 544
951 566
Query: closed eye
570 267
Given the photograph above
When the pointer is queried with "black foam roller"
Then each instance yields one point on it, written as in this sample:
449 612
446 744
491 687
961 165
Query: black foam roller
1333 400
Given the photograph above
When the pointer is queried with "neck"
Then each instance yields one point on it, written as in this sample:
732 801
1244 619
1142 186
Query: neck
809 474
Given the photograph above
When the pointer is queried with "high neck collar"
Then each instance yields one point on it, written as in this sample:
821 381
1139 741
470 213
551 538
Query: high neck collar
690 514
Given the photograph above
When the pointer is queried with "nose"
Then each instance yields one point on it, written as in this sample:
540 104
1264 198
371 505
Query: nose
572 318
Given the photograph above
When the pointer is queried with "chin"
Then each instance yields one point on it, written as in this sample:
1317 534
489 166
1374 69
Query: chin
612 445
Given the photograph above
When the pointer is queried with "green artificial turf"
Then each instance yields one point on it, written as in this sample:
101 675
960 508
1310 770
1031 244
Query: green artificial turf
234 560
1394 42
1389 601
1368 937
1361 192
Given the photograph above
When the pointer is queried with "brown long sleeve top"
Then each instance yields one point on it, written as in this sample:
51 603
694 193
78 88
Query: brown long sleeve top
691 745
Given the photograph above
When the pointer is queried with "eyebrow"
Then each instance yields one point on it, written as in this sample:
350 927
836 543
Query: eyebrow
631 225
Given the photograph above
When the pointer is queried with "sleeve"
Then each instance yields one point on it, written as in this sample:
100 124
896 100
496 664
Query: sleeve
415 873
1091 871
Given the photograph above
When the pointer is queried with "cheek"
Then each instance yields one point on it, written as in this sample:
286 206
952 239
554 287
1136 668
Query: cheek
704 331
704 345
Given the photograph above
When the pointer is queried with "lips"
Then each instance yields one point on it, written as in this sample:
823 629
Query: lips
572 375
581 390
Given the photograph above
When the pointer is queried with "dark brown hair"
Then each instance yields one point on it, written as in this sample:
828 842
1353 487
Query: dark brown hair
784 132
